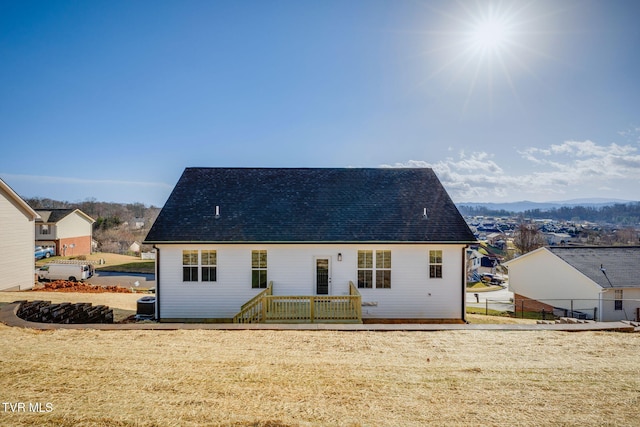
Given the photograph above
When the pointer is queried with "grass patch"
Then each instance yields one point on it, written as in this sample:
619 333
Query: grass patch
320 378
143 267
500 320
110 262
482 287
532 315
489 312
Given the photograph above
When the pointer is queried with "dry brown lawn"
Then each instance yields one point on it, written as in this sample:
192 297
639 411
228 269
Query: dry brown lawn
320 378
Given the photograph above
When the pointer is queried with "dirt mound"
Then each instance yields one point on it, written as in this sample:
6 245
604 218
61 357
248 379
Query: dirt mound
68 286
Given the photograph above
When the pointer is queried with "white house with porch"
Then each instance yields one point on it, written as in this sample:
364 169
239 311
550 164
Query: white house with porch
310 244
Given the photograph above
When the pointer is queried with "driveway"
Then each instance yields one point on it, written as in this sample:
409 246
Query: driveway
500 300
126 280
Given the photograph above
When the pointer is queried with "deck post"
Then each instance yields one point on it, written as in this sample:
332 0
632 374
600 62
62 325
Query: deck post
312 303
263 305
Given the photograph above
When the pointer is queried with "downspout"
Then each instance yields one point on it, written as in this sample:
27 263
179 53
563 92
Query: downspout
601 304
157 282
464 283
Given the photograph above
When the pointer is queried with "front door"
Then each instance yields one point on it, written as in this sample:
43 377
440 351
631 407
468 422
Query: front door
323 276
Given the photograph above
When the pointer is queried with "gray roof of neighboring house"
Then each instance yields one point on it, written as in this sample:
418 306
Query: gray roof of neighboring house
53 215
309 205
620 263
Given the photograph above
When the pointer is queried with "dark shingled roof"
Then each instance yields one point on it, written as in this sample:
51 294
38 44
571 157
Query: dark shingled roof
621 264
53 215
309 205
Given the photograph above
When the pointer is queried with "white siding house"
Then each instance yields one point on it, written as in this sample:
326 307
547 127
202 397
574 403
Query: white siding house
17 234
600 282
292 269
394 233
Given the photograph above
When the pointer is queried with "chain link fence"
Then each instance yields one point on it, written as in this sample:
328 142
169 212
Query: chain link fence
550 309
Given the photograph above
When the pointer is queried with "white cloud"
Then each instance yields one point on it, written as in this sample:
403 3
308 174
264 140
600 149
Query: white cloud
632 133
555 170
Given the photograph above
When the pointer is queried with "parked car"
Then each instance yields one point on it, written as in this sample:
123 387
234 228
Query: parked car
41 252
72 272
493 279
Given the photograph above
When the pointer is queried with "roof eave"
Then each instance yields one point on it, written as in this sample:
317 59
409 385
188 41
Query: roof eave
323 242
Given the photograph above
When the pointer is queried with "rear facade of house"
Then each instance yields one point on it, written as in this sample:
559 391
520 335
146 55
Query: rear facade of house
226 234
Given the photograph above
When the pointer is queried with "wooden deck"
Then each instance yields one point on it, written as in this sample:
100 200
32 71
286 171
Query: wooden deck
268 308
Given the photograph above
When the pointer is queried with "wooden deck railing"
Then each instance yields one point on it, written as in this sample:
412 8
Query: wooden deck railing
253 311
268 308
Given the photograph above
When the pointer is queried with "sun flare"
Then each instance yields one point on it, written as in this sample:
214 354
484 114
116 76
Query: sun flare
483 48
490 34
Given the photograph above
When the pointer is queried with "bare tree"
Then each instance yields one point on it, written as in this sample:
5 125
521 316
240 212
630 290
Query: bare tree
527 238
626 236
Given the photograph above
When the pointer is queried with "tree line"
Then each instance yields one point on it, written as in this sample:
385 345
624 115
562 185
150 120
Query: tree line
618 213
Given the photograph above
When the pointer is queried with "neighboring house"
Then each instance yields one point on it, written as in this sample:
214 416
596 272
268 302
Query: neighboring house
135 247
474 260
483 259
496 239
597 282
138 223
556 238
16 241
69 231
224 234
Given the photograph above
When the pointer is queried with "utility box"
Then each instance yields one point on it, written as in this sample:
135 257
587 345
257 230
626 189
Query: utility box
146 308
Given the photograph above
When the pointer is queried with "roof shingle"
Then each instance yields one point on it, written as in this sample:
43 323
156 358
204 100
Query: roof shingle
309 205
620 263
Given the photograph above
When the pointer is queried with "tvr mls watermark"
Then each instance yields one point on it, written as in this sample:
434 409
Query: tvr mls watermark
31 407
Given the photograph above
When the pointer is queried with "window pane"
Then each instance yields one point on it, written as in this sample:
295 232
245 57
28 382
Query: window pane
189 257
189 274
209 274
383 259
365 278
259 279
435 271
435 257
365 259
618 299
259 259
209 258
383 279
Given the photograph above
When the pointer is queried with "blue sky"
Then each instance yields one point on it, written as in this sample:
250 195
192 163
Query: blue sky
507 101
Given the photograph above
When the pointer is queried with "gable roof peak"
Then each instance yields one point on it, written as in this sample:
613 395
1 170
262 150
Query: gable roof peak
309 205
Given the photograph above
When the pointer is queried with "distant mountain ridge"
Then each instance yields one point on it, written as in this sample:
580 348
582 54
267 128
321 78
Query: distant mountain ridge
526 205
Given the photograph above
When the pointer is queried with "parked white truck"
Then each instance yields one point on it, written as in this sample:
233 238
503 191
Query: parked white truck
72 272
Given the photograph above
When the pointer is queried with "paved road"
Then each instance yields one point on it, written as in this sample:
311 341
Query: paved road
126 280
